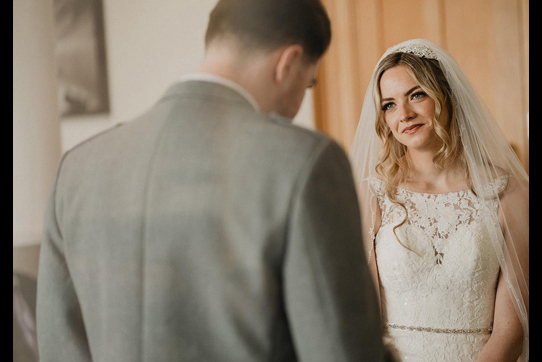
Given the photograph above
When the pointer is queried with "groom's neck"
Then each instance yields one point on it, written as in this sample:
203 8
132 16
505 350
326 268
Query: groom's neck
252 70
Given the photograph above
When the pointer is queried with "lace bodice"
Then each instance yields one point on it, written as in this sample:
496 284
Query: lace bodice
438 299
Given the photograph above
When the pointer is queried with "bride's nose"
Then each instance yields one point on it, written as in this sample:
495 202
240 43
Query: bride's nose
405 113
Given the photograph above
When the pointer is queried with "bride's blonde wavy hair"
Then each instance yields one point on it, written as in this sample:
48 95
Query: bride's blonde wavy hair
392 166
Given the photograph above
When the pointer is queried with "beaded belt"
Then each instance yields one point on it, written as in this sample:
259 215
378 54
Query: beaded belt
441 330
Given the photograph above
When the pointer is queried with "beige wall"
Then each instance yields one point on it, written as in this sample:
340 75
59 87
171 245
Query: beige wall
488 38
36 127
36 133
149 45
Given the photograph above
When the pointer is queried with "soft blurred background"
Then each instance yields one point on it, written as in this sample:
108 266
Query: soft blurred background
82 66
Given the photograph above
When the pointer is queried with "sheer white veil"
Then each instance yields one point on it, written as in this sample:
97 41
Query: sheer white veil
488 155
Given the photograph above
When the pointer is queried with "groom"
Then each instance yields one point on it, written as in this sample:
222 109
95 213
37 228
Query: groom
210 228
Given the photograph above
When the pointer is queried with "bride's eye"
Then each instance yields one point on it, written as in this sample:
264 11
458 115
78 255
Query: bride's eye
419 95
387 106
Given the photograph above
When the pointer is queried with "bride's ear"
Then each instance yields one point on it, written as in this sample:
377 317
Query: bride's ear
289 59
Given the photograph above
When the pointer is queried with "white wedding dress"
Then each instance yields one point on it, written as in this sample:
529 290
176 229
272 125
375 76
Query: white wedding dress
438 305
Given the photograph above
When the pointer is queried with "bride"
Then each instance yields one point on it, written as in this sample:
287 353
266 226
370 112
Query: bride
445 212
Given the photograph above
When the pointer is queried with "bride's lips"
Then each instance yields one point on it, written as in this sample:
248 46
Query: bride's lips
412 129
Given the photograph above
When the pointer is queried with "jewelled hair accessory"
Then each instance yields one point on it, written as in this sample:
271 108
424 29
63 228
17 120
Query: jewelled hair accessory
417 49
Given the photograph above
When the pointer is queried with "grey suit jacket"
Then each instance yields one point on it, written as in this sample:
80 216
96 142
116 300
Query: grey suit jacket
205 231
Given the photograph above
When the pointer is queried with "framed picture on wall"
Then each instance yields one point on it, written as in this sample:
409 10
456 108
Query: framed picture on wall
81 57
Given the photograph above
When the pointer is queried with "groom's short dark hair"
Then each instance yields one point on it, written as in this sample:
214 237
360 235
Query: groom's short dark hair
269 24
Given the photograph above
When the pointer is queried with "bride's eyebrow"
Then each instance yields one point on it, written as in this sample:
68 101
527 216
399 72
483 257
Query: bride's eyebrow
406 94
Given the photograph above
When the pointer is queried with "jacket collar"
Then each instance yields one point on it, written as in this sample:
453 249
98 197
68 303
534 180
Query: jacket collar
211 86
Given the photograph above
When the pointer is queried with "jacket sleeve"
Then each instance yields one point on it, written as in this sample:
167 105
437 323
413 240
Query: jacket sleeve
329 295
60 325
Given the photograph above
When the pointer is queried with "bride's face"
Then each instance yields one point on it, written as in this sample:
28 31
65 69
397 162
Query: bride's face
408 111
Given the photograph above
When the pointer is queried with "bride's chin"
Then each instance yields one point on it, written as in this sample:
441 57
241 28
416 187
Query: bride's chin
421 141
421 145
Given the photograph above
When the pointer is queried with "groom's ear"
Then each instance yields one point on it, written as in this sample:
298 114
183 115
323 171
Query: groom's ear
289 59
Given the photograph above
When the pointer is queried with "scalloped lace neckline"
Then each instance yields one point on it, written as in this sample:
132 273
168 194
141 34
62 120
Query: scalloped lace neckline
499 178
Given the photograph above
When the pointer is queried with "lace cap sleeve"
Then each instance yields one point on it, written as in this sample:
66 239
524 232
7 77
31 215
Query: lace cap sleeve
496 187
376 186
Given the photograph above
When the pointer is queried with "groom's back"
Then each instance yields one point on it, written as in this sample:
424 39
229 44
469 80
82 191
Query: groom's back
175 228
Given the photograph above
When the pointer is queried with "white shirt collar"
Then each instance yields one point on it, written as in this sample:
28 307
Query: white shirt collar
211 78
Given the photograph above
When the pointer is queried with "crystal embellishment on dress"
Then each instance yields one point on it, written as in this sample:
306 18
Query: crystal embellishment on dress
417 49
441 330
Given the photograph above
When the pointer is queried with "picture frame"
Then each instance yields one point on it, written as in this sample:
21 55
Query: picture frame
80 53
